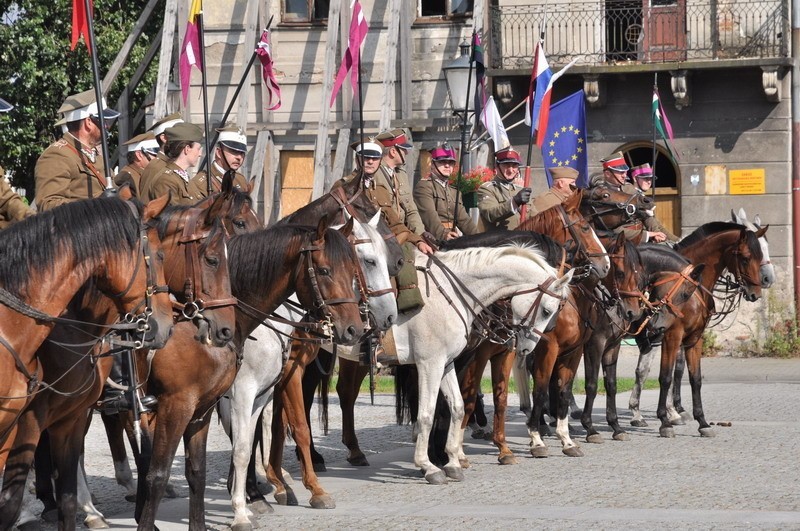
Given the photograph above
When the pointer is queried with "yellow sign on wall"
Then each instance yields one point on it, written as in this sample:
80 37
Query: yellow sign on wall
747 182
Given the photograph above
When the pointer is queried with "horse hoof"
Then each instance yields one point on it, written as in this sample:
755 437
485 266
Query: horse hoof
286 498
540 451
621 436
595 438
436 478
170 492
507 459
50 516
573 451
464 462
323 501
667 432
456 473
319 467
685 415
96 522
640 423
707 432
478 434
242 527
677 421
358 460
130 497
261 507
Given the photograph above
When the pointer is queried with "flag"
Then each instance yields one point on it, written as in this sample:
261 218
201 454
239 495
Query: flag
490 117
352 56
80 23
540 80
565 139
662 125
480 73
191 55
265 56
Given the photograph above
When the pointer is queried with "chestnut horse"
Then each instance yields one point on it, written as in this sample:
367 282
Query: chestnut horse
193 245
719 246
45 259
266 267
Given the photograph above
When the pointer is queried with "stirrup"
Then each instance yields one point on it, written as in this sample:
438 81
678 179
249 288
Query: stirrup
148 404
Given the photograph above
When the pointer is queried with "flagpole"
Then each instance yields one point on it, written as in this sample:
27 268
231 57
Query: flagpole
236 94
655 152
526 182
204 87
98 94
464 154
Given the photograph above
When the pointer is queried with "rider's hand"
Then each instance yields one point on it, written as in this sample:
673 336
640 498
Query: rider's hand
657 237
522 197
424 248
452 234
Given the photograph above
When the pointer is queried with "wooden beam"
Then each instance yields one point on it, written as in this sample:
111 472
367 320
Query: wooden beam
260 186
250 34
127 46
407 15
144 64
165 59
390 66
322 153
342 150
123 126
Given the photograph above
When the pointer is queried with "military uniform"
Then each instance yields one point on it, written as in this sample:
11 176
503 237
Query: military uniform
496 205
12 207
129 175
633 231
198 185
547 200
436 203
155 167
65 173
171 179
395 183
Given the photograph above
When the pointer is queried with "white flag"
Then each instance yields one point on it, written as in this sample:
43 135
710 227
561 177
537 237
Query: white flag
491 120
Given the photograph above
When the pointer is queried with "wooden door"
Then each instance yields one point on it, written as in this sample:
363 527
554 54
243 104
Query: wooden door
297 173
664 24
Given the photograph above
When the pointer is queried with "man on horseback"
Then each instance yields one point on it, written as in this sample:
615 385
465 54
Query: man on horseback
563 186
436 198
72 168
183 147
12 206
229 155
501 199
615 176
394 179
643 178
141 150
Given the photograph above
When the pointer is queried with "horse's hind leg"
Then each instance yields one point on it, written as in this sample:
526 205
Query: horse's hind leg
592 359
115 428
94 518
677 414
430 380
642 370
351 374
194 441
452 395
669 350
693 357
544 357
17 466
66 448
560 384
610 379
501 369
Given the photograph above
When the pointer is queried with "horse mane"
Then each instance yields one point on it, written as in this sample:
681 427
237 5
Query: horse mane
89 229
541 220
257 259
657 258
715 227
633 258
477 257
325 204
550 249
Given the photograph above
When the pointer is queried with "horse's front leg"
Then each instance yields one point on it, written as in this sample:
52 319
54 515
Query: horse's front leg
693 357
642 370
314 376
560 385
677 415
610 379
18 464
194 442
502 364
544 358
284 494
592 359
66 447
452 394
430 379
669 351
351 374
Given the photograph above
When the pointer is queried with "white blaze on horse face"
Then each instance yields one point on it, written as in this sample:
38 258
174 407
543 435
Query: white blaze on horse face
606 259
767 271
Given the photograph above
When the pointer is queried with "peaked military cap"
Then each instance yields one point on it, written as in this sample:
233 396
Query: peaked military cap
232 137
508 155
83 105
166 122
563 172
643 171
369 149
5 106
144 142
443 152
184 132
394 138
616 162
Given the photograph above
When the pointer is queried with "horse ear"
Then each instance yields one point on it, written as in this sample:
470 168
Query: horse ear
763 230
373 222
125 192
561 285
735 218
757 221
697 272
227 182
322 226
347 229
154 208
572 202
214 210
742 215
620 243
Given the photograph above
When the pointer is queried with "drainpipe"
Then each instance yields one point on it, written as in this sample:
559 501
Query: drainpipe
796 153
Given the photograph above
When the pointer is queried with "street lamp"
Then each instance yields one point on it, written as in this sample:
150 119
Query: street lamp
459 75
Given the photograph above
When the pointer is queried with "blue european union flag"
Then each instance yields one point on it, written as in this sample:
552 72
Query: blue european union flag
565 140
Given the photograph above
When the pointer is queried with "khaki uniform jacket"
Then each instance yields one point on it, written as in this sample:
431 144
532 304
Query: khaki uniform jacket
169 180
496 206
654 225
385 201
12 207
153 168
436 203
633 231
397 186
548 199
199 188
64 174
129 175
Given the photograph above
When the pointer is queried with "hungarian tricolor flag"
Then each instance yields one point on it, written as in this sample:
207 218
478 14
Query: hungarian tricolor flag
190 51
80 23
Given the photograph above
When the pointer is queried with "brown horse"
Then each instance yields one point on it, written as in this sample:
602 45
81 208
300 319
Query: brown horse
719 246
193 245
266 267
47 258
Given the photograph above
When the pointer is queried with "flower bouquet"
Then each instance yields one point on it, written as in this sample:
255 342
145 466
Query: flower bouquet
472 180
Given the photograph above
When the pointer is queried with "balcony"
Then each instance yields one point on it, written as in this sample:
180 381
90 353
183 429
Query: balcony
621 32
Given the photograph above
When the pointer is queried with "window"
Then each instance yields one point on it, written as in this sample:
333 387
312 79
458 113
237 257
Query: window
444 8
305 10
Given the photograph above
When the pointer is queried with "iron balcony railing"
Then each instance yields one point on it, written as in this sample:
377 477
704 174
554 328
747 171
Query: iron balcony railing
648 31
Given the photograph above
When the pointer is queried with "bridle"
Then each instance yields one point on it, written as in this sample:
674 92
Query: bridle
679 278
575 247
610 207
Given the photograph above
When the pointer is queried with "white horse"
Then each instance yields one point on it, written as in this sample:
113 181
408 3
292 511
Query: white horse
265 355
455 289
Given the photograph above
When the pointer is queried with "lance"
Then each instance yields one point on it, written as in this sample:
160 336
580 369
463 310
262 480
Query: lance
464 154
98 94
523 211
239 87
655 152
204 85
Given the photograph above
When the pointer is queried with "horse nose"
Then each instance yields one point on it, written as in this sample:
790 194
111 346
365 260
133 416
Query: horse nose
350 333
389 321
751 297
646 200
224 334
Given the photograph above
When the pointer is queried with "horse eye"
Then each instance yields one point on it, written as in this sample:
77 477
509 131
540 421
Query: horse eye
212 261
160 255
239 223
547 312
370 262
606 196
325 271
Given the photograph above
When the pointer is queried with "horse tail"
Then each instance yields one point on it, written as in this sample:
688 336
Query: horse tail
406 393
324 387
439 431
520 373
224 414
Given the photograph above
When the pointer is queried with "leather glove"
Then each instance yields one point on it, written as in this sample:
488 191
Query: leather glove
522 197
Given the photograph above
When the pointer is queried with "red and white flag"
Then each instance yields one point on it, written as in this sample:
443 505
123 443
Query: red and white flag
265 56
352 56
190 51
80 23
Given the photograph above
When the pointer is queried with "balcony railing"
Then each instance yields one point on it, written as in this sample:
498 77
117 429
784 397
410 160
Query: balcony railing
624 31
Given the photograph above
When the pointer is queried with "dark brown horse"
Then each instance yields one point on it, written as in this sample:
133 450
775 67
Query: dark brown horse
266 267
193 248
45 259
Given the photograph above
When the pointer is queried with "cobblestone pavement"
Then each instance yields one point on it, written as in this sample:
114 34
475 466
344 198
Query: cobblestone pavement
747 477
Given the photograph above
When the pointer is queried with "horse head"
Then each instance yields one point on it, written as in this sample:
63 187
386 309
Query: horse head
671 292
534 310
745 263
608 207
767 269
627 279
